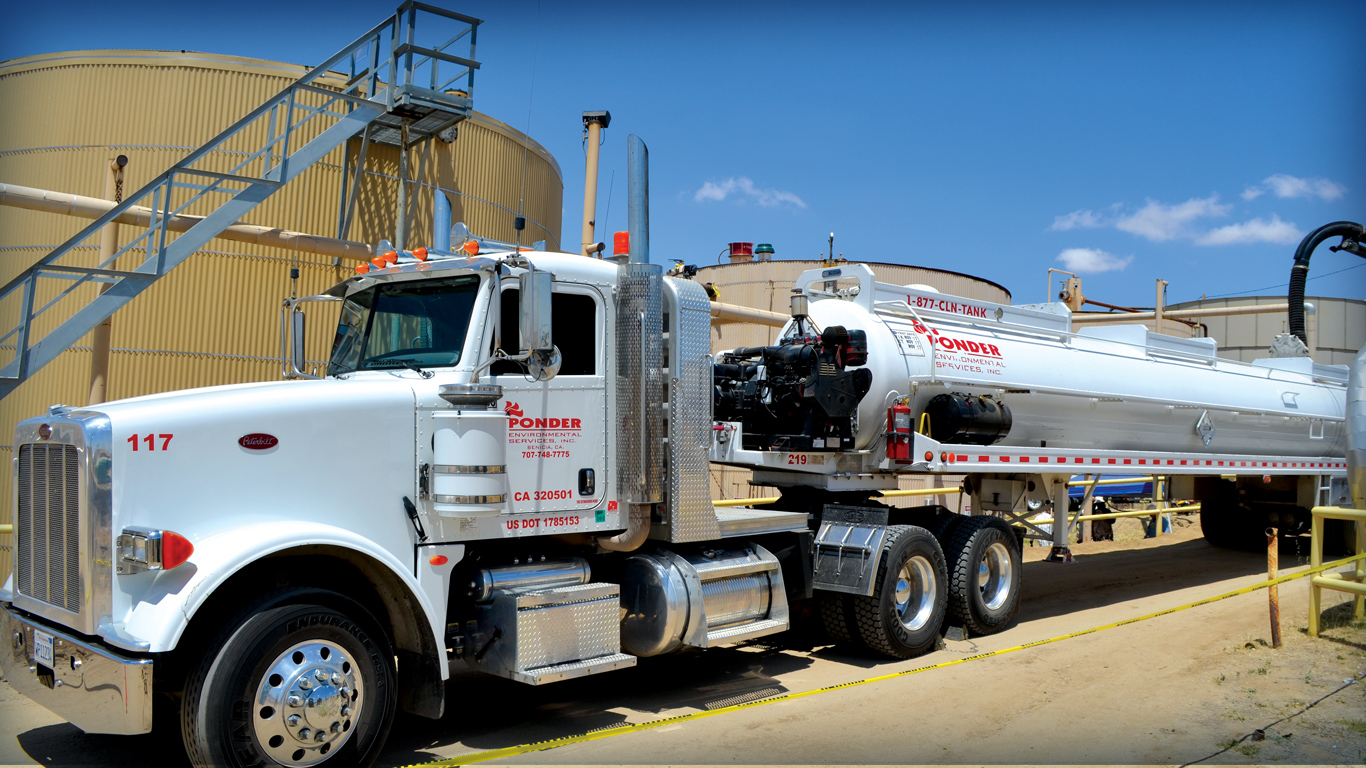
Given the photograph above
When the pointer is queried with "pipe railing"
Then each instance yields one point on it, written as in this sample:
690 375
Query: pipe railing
1354 583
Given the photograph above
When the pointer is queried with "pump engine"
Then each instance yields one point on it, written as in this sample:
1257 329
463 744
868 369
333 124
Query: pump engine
800 395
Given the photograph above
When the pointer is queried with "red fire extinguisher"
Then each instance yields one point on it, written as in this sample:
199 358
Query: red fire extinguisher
899 432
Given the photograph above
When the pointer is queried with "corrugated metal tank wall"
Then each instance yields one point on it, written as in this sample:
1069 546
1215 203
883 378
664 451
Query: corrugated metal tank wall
215 319
1336 329
767 285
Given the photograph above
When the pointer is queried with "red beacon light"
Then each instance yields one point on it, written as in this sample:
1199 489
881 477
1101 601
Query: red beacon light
621 243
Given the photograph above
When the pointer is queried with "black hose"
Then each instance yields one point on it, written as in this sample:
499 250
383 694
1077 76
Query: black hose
1349 230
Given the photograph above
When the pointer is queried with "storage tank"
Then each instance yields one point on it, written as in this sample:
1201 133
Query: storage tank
215 319
1336 328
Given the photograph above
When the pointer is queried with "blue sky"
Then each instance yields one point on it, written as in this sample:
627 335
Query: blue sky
1194 142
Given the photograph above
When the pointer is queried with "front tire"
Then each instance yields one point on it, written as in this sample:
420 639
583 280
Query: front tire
304 679
903 616
984 589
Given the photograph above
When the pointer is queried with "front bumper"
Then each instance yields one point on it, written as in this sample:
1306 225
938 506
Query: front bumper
96 689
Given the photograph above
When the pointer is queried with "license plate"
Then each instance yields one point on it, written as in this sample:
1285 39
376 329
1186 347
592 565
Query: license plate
42 648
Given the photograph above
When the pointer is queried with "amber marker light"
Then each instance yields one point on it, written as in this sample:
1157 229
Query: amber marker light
929 455
390 257
420 254
472 248
379 262
362 268
439 560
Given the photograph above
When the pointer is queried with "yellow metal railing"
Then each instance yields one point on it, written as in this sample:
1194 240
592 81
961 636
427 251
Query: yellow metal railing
1113 515
1354 582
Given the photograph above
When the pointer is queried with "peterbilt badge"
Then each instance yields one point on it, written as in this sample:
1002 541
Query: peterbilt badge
258 441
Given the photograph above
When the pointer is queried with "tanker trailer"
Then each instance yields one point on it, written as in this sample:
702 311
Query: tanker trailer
869 381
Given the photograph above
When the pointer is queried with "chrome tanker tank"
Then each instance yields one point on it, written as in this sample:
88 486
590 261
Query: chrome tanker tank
1117 388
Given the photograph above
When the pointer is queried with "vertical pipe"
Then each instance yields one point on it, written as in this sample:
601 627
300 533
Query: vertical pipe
109 245
1315 560
1356 461
594 123
1157 306
1273 593
441 222
401 226
638 192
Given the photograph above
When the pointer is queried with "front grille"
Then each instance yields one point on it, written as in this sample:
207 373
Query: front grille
48 525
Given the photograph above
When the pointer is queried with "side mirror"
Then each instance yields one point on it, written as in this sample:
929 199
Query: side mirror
298 323
293 338
535 314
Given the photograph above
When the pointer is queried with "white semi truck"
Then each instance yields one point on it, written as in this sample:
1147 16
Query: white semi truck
505 466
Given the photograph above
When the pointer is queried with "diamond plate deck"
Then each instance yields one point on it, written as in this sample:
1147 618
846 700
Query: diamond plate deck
737 521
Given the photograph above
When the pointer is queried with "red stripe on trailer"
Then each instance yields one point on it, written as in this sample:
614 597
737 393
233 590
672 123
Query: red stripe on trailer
1005 459
1127 461
962 457
1078 460
1183 462
1024 459
1110 461
1043 459
1095 461
984 458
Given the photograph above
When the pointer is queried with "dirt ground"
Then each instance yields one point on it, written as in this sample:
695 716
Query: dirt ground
1170 690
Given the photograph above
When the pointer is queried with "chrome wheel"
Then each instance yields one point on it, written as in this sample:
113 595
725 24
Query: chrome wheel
306 703
916 588
994 575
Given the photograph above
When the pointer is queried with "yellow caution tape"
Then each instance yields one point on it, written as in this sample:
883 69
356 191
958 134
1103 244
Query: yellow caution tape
540 746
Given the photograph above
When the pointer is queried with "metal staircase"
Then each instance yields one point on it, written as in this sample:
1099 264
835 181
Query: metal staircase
52 304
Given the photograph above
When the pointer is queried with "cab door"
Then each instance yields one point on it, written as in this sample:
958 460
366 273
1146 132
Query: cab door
556 453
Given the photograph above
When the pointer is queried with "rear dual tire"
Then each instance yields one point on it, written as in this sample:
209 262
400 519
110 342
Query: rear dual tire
984 574
902 617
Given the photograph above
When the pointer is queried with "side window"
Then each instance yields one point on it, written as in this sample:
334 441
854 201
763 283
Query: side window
574 331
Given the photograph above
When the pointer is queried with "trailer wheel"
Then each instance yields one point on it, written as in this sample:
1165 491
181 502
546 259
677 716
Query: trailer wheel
1228 525
984 585
304 679
837 616
903 616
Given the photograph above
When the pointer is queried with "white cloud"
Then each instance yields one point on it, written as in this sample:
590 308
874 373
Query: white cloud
1158 221
1284 185
741 185
1254 231
1083 218
1082 260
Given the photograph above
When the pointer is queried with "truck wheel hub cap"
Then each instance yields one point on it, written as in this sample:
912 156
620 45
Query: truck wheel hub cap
306 703
915 593
994 576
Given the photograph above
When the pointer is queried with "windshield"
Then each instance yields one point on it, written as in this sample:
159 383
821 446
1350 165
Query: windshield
412 324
